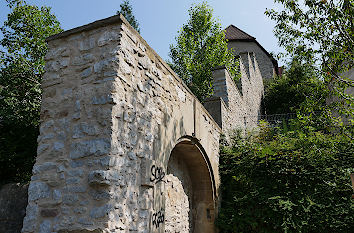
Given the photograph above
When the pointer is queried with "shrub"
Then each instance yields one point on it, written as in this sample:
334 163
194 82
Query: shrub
287 182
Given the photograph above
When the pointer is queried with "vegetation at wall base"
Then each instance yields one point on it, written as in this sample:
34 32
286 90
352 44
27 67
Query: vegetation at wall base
287 181
21 69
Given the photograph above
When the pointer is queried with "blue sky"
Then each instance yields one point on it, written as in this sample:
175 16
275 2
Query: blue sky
161 19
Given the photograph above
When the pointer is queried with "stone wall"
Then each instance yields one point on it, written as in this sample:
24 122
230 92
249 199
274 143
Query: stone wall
112 112
13 201
233 107
265 65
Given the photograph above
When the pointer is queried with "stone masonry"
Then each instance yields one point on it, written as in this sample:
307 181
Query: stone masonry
112 113
235 107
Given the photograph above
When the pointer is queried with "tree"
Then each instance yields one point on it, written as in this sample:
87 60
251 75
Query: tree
200 47
321 30
127 11
288 93
21 69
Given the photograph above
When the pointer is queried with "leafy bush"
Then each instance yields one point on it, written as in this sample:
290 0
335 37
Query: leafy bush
287 182
300 82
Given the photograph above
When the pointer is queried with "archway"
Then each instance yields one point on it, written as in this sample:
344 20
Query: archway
189 195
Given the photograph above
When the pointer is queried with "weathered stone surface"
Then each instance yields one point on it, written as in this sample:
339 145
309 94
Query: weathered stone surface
99 178
44 167
94 147
100 212
31 219
45 227
13 202
177 206
38 190
82 60
117 103
83 129
49 213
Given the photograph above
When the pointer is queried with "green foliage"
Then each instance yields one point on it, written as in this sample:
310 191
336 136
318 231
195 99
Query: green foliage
287 182
21 69
200 47
127 11
296 178
288 93
321 30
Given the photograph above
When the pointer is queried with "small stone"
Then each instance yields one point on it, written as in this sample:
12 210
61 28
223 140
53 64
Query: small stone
80 210
76 189
90 147
86 72
103 99
58 146
43 167
85 221
87 44
99 177
100 195
41 148
125 68
45 227
70 199
117 150
107 37
131 155
140 87
38 190
82 60
29 222
100 212
82 129
49 213
73 180
57 196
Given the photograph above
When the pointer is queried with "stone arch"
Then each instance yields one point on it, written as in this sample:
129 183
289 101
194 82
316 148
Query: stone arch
190 188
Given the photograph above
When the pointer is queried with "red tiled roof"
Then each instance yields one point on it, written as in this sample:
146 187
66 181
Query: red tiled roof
234 33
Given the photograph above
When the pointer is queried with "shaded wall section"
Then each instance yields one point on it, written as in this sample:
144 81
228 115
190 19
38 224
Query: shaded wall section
13 202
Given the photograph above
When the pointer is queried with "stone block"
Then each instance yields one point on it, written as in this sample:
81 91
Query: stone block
38 190
103 99
108 36
82 60
86 72
30 220
100 195
105 65
87 44
70 199
95 147
49 213
99 177
100 212
84 129
43 167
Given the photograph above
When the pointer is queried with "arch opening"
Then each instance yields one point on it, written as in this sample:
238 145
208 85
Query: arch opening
189 190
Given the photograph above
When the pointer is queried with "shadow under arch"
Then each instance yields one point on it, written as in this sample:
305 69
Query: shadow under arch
189 162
